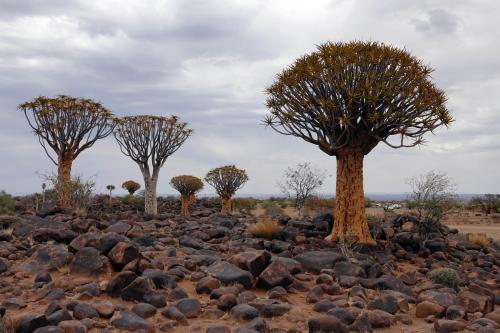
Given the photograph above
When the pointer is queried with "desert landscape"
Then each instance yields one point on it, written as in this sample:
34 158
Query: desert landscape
249 166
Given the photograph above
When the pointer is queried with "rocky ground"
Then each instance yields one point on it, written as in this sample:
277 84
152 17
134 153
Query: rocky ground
117 270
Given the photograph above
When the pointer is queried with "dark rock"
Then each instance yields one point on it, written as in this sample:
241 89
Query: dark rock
72 326
118 227
455 312
88 261
323 305
227 302
244 312
326 324
386 282
119 282
161 279
31 322
89 239
129 321
104 308
175 314
83 310
108 241
315 261
177 294
228 273
292 265
361 324
49 329
218 329
3 266
253 261
448 326
276 274
123 253
207 284
136 290
380 319
56 317
427 308
190 307
445 299
156 299
43 277
47 257
348 269
387 303
345 315
473 302
144 310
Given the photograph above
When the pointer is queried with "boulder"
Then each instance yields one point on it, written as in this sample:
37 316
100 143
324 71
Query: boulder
123 253
427 308
137 289
119 282
88 261
189 307
326 324
228 273
128 321
315 261
253 261
276 274
244 312
387 303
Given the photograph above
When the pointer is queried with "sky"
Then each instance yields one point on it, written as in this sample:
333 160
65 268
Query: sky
209 63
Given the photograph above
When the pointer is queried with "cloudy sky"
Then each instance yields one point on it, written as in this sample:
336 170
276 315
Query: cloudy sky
209 62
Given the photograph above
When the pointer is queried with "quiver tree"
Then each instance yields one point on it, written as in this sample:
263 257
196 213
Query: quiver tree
226 180
110 188
65 127
131 186
346 98
187 187
149 141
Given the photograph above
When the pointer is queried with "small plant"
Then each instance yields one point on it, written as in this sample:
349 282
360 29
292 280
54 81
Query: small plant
272 208
187 187
226 180
478 239
7 203
445 276
110 188
244 204
137 202
265 227
131 186
64 270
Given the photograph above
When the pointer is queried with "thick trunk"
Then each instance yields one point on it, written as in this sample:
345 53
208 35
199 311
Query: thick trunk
226 205
192 199
64 181
185 200
150 202
351 223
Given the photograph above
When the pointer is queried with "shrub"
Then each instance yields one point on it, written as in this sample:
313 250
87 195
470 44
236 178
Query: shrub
489 203
316 205
479 239
445 276
272 208
265 227
244 204
136 202
7 203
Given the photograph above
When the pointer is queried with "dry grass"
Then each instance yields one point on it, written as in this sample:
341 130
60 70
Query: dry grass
7 231
317 205
64 270
5 327
265 227
478 239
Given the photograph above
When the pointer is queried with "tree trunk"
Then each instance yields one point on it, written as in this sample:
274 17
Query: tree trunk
350 217
150 202
192 198
64 181
185 200
226 205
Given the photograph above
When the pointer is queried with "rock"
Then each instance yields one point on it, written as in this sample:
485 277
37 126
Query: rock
315 294
83 310
156 299
445 299
49 329
380 319
253 261
293 266
108 241
189 307
118 227
47 257
42 277
3 266
72 326
386 282
473 302
361 324
174 314
218 329
104 308
206 285
136 290
348 269
271 309
495 316
276 274
244 312
228 273
455 312
31 322
387 303
326 324
123 253
427 308
129 321
345 315
227 301
177 294
323 305
119 282
484 325
88 261
161 279
448 326
144 310
58 316
315 261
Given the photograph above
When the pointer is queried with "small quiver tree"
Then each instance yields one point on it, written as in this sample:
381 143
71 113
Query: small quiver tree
226 180
149 141
187 187
131 186
346 98
66 126
110 188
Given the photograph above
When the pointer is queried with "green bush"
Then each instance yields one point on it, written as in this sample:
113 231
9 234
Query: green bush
135 201
445 276
7 203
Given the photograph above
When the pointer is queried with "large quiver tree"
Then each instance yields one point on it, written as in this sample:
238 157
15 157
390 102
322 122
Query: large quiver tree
226 180
187 187
346 98
65 127
149 141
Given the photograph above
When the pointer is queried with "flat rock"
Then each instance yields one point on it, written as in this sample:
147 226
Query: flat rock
315 261
228 273
128 321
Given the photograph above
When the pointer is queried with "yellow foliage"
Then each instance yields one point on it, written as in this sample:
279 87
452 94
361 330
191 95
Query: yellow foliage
266 227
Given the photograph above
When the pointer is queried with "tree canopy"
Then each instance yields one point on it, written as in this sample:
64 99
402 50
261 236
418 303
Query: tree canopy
356 93
186 184
226 180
